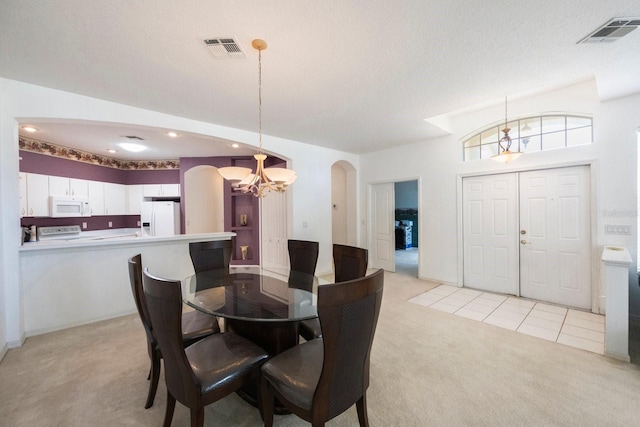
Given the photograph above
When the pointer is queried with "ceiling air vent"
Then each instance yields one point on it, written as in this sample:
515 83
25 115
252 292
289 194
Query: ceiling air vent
224 47
612 30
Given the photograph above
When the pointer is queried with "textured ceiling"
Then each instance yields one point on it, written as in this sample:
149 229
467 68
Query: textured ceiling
357 76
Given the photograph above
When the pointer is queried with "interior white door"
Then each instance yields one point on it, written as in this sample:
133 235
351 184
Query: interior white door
382 252
490 225
555 236
273 229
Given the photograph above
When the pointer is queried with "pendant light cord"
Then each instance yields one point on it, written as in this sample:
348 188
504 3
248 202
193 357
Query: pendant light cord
260 100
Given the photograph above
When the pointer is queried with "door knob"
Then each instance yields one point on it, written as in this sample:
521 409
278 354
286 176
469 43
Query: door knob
524 242
523 232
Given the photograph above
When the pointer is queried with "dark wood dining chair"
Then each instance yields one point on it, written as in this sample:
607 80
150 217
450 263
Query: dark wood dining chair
320 379
195 326
349 262
303 256
213 255
204 372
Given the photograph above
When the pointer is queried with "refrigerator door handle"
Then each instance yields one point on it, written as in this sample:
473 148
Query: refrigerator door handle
153 223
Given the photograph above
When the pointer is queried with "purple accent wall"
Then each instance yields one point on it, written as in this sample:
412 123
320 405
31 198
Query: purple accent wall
93 222
56 166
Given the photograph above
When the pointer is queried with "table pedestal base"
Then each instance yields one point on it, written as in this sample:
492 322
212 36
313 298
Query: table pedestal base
274 338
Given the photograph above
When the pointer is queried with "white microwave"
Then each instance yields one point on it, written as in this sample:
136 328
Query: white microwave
60 207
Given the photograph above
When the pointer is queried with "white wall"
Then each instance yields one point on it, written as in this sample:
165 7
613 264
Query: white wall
310 195
438 164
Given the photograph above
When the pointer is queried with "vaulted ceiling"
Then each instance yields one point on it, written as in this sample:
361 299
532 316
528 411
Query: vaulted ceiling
357 76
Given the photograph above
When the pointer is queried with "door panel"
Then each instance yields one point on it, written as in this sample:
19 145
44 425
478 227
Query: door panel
490 233
555 258
383 253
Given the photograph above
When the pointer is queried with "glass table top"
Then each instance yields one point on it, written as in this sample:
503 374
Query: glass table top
251 293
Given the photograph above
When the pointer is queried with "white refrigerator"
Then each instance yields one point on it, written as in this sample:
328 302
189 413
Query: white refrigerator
160 218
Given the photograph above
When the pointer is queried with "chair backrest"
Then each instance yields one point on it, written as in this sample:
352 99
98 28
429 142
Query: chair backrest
349 262
348 314
303 256
213 255
164 301
135 277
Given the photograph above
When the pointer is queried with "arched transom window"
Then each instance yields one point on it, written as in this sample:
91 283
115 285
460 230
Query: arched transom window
538 133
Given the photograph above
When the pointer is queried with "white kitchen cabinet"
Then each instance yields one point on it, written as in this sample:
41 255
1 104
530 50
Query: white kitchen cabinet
37 195
115 199
134 198
78 188
59 186
96 197
22 177
164 190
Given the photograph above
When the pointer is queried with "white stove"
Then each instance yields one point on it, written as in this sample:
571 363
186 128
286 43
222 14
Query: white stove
61 232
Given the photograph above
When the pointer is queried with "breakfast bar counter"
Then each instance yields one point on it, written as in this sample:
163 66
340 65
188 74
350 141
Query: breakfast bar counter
72 282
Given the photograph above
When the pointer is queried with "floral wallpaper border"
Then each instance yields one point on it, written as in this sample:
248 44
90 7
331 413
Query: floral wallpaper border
42 147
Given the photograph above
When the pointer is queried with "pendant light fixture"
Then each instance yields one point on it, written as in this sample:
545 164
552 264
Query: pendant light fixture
504 144
265 179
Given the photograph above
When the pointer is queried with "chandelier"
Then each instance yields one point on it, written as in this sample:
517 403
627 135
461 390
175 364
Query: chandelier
504 154
264 179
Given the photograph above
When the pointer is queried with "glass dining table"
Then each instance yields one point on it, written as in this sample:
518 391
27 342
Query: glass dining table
261 305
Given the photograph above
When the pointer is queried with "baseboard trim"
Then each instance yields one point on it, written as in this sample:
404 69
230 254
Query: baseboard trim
42 331
3 351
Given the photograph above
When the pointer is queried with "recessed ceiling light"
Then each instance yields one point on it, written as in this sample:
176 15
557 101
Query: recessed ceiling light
234 145
173 134
135 148
111 150
29 129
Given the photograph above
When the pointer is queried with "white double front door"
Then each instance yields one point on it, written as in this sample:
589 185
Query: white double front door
528 234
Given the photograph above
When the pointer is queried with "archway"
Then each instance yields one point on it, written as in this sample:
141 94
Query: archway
343 204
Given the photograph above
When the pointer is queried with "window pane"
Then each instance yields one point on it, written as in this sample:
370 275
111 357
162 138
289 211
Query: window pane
577 122
579 136
489 150
531 144
472 153
530 126
552 140
472 141
552 124
489 136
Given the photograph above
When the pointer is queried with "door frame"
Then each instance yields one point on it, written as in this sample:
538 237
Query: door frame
372 213
597 288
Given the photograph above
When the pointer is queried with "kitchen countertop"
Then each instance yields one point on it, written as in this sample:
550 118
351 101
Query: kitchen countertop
121 236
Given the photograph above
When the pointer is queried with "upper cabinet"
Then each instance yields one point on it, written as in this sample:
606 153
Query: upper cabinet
161 190
105 198
36 189
115 199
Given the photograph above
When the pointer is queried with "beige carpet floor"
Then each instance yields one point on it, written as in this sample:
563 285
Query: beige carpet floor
428 368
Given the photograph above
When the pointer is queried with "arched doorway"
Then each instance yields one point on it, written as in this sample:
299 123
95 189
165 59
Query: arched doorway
343 204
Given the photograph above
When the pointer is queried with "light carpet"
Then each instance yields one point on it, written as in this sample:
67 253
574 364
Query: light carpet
428 368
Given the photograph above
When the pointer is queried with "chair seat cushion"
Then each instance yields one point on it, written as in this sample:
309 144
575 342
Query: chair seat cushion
221 359
310 329
295 372
196 325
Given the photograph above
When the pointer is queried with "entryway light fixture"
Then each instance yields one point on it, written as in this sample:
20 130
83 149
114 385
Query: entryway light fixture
504 144
265 179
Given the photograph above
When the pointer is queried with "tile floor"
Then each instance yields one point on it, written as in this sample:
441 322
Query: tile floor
567 326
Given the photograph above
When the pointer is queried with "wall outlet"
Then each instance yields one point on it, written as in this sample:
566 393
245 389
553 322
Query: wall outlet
84 225
110 224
